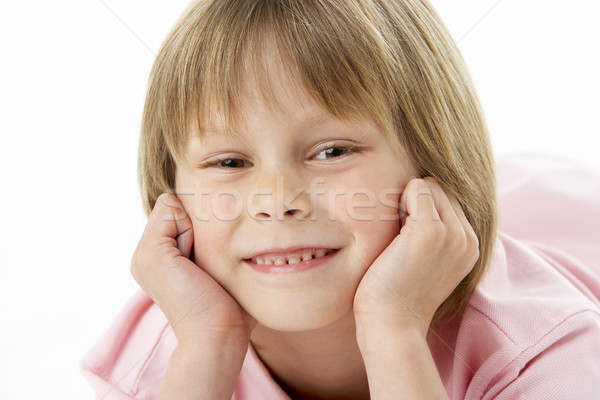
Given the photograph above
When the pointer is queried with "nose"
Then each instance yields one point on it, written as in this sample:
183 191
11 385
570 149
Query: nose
279 197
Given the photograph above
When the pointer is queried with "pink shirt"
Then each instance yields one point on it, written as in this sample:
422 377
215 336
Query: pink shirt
530 331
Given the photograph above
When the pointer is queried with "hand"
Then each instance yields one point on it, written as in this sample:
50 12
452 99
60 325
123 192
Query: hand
435 250
193 302
212 330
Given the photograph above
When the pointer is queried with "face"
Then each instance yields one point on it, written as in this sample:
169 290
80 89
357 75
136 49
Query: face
291 206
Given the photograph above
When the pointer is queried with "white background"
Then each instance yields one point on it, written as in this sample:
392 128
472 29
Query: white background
72 82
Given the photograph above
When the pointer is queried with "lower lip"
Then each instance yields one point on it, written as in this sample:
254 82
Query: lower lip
291 268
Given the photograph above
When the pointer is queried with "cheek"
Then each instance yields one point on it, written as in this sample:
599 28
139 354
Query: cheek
211 241
226 205
209 206
376 201
369 211
214 217
372 238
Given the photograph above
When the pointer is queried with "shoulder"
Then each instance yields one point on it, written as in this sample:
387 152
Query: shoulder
130 359
528 332
525 294
531 328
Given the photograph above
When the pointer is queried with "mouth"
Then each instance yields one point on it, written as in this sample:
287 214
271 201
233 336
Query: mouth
290 257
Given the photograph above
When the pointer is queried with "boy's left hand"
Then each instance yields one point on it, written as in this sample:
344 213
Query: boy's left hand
435 249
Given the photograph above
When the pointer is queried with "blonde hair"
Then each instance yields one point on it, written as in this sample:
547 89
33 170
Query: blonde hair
393 59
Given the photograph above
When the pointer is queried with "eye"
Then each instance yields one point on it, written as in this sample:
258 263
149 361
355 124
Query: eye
233 163
334 152
228 163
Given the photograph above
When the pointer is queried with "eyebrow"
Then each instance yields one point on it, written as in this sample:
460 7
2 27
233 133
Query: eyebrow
320 117
314 116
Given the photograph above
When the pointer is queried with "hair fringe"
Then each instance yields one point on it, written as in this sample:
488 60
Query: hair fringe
393 60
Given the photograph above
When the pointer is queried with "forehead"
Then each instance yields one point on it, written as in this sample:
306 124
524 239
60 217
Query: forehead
267 83
225 56
273 91
290 127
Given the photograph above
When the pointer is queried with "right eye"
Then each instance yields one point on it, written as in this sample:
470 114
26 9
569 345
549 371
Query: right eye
228 163
334 152
233 163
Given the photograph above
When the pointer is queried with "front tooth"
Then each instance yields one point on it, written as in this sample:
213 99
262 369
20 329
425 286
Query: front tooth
307 255
320 253
268 261
293 260
279 261
259 260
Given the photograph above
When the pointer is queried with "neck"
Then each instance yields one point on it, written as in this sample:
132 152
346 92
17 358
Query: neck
316 364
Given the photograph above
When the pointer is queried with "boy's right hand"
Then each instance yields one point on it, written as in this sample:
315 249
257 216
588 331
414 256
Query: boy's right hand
197 307
212 330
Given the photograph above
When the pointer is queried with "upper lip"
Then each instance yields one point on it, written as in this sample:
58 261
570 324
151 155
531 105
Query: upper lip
287 251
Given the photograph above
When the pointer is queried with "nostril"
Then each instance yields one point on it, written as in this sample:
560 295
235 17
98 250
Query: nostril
292 212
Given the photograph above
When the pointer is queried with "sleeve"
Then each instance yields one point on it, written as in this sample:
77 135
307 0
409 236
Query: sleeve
130 359
566 367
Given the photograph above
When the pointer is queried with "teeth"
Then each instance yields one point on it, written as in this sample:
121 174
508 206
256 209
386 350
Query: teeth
307 254
279 261
293 260
320 253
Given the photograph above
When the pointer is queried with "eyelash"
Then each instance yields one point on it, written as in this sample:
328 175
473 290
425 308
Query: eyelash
344 151
328 150
216 163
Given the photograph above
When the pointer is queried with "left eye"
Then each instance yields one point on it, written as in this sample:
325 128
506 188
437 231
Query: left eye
227 163
233 163
333 152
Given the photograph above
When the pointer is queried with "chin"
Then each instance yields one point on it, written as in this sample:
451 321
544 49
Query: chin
296 315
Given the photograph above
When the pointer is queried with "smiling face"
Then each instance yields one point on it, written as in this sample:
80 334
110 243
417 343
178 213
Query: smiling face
291 206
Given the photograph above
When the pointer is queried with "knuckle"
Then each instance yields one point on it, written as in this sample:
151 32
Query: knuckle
434 233
165 197
140 261
134 267
433 184
167 201
440 230
473 250
135 273
160 201
431 179
457 243
476 253
416 183
472 239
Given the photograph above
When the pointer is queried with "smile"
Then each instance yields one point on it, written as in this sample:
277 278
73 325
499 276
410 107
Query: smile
291 257
284 261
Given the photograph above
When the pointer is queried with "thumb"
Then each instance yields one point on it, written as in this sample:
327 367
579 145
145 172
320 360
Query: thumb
175 223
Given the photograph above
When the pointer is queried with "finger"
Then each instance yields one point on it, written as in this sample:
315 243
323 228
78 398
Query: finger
450 206
467 227
185 242
445 209
454 217
417 199
172 221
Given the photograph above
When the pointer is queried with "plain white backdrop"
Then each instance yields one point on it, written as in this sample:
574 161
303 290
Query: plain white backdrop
72 85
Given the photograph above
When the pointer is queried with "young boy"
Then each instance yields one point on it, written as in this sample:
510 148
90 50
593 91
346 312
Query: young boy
333 197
